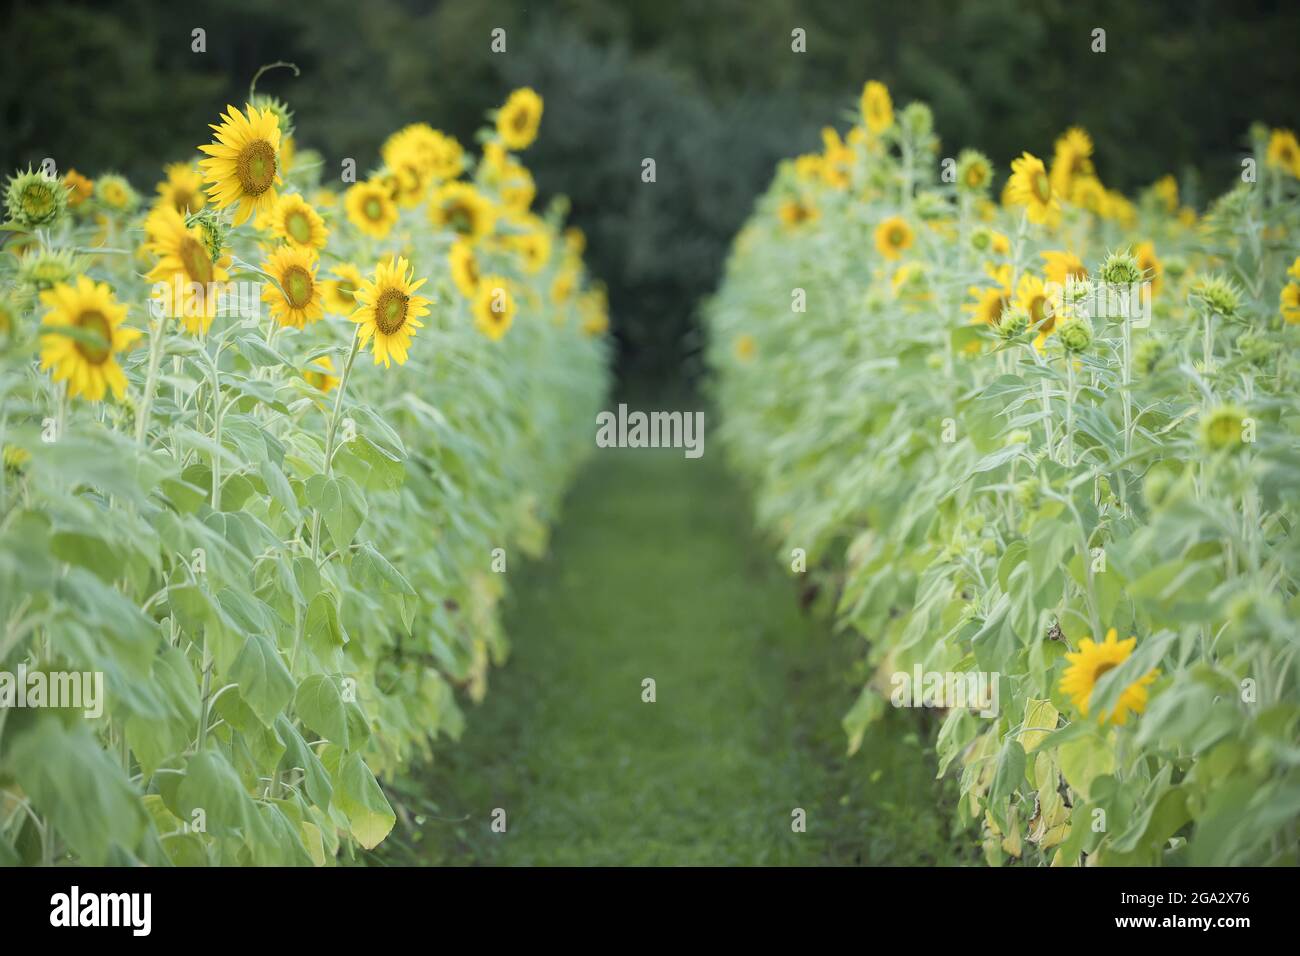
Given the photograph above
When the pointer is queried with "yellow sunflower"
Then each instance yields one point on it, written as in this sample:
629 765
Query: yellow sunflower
534 248
1290 297
1284 152
1030 186
1153 270
243 164
437 155
519 118
390 311
184 260
320 374
298 224
1033 296
1062 266
371 209
594 305
80 188
88 364
340 293
493 307
796 212
464 268
1072 161
296 297
877 107
517 188
564 284
1090 662
115 192
893 237
990 301
182 189
462 209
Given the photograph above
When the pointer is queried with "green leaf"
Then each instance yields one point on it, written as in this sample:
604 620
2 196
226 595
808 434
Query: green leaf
357 794
211 785
264 682
319 705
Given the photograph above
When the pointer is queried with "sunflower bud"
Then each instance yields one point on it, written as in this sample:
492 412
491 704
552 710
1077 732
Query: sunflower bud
1223 428
1121 268
33 199
1075 333
1013 322
1217 295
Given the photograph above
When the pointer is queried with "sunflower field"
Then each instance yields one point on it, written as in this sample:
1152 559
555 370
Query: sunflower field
1050 435
271 433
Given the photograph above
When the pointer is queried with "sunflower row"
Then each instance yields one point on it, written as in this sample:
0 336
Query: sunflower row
281 565
1046 453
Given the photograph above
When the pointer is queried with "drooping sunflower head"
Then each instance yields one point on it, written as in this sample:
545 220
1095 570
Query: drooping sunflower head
185 261
464 268
80 188
389 311
494 307
1031 187
1284 152
340 292
34 199
893 237
83 334
371 208
462 209
297 224
1087 666
877 107
320 374
974 171
296 297
519 119
182 189
243 164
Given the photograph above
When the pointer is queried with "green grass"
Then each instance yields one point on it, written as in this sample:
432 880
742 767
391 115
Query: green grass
654 572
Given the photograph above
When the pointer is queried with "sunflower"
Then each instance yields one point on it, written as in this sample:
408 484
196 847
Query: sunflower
390 310
298 224
796 212
519 118
493 307
534 248
1290 303
115 192
464 268
893 237
1284 152
463 209
325 198
837 159
1088 193
340 293
517 188
974 171
320 374
746 348
1030 186
244 162
990 301
87 362
564 284
35 199
877 107
438 155
370 208
1153 270
1063 266
184 259
8 317
594 305
1039 305
42 269
297 299
80 188
1090 662
1071 161
182 189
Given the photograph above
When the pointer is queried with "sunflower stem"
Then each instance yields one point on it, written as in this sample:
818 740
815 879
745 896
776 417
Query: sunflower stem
330 433
156 342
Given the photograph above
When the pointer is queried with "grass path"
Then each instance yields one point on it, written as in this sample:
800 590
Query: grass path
654 572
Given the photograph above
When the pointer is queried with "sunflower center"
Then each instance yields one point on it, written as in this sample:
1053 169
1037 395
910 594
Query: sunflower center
94 321
181 199
520 122
373 209
1103 668
297 225
897 236
38 201
195 258
390 311
256 167
460 218
1042 187
974 176
297 286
